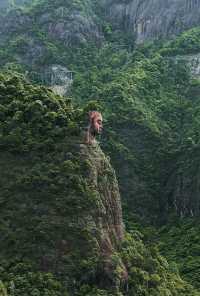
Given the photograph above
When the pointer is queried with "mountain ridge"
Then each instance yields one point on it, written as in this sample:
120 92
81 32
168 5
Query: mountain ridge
149 99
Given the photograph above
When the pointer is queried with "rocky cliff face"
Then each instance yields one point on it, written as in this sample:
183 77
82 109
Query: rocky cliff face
73 23
102 179
47 32
69 23
107 212
153 19
79 222
57 77
192 61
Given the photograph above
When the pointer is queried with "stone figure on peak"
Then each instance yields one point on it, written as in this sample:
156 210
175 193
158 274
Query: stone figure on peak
94 128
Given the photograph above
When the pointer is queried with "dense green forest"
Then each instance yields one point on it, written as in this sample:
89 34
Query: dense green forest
149 99
44 183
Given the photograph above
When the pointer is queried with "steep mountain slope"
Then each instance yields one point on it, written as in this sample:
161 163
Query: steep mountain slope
155 18
66 23
150 101
62 209
152 105
39 36
61 222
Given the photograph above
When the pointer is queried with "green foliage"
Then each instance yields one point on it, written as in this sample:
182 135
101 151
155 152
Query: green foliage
187 43
149 273
44 184
32 283
180 244
3 291
152 123
87 290
150 108
29 125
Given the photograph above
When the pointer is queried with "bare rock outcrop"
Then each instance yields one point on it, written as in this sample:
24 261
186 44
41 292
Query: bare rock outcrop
102 179
153 19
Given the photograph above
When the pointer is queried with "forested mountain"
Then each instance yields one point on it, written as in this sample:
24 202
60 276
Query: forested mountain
36 35
60 214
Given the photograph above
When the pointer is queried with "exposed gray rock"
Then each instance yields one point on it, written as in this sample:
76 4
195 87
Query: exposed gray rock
77 28
193 61
16 21
152 19
144 19
70 26
108 214
60 79
56 77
